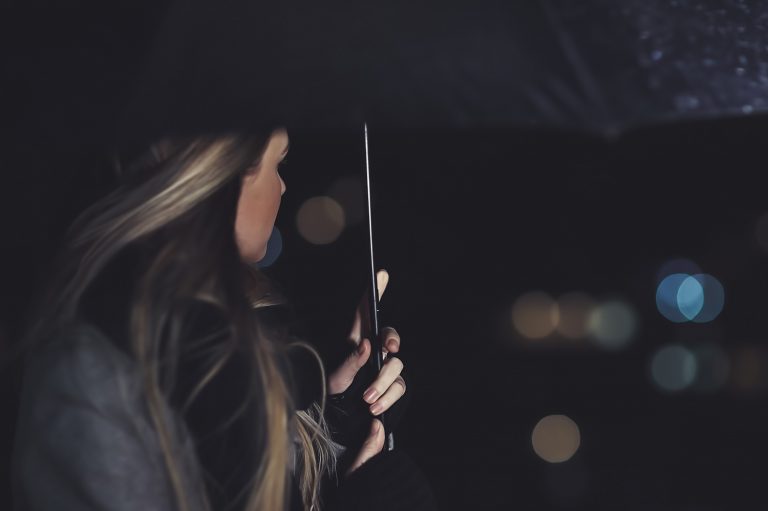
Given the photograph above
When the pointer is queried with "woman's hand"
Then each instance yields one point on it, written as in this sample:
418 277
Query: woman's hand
371 447
389 385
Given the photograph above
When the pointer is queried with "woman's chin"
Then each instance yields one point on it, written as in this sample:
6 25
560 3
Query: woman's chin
254 256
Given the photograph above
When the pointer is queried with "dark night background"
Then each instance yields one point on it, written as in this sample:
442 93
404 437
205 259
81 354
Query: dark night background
466 223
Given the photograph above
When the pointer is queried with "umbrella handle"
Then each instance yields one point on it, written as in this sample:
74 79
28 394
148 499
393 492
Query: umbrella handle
372 325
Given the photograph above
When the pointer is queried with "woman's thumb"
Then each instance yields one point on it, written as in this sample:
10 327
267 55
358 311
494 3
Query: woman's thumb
372 445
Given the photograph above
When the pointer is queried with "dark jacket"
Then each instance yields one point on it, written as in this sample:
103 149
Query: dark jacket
85 441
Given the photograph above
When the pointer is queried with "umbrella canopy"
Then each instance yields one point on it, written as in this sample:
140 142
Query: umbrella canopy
598 66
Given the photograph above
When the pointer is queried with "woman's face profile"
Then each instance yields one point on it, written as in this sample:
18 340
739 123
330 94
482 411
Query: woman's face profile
259 201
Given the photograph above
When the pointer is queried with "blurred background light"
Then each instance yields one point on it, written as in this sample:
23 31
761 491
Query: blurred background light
749 368
681 297
274 249
349 193
535 315
712 366
673 368
320 220
613 324
575 310
714 298
690 298
556 438
666 297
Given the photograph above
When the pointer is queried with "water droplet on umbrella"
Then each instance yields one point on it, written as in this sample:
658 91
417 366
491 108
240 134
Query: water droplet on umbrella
686 102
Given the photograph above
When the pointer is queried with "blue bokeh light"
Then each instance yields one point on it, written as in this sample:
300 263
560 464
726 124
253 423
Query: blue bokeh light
681 297
274 249
714 298
667 295
673 368
690 298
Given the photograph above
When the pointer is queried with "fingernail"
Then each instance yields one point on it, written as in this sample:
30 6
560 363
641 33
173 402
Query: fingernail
376 409
370 395
376 426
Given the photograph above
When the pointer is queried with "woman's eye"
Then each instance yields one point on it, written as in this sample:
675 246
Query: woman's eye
283 162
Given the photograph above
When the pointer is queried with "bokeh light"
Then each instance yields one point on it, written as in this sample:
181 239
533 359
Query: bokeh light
613 324
666 297
575 311
690 298
274 249
749 368
673 368
681 297
349 193
714 298
320 220
535 315
712 366
556 438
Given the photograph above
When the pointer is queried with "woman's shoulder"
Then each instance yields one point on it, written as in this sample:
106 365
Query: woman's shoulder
78 362
83 431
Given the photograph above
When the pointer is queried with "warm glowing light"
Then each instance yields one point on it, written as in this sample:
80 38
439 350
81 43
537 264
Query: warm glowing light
673 368
535 315
556 438
613 324
575 311
320 220
749 370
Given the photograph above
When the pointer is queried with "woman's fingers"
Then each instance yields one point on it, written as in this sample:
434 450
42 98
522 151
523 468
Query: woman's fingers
391 340
382 279
371 447
390 397
387 376
355 334
344 375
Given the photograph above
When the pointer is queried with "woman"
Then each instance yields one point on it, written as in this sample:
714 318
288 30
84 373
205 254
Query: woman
158 375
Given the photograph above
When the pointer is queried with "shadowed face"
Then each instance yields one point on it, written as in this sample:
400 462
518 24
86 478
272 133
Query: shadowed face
259 201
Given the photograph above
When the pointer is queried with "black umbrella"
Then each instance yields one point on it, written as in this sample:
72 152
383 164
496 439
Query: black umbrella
600 66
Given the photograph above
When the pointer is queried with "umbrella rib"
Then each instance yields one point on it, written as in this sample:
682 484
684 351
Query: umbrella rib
584 77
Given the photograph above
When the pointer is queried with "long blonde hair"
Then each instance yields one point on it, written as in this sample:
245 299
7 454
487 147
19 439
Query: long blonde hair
177 202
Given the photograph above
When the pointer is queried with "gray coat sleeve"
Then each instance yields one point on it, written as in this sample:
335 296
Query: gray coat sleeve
84 439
